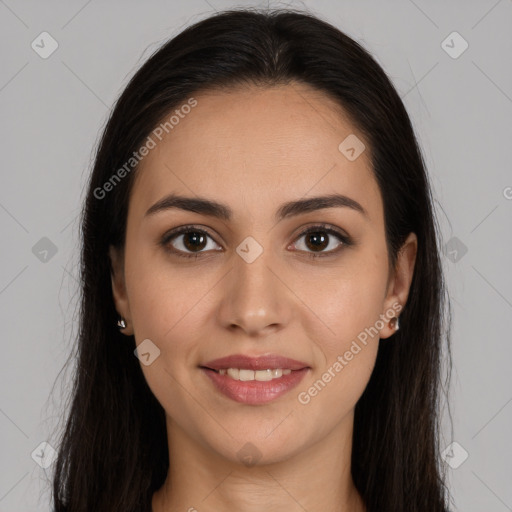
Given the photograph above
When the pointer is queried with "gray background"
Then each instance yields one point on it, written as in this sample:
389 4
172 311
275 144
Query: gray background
52 111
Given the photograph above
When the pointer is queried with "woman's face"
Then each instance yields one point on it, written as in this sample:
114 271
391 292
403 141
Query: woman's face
252 286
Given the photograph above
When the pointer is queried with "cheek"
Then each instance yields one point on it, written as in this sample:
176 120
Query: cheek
348 301
171 306
345 326
166 305
160 293
348 341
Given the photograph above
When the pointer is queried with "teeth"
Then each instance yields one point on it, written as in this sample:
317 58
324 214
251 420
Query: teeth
260 375
234 373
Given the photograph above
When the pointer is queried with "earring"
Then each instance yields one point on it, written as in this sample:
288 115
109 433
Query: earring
121 323
394 323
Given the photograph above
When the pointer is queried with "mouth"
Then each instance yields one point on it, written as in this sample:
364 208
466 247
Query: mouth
254 380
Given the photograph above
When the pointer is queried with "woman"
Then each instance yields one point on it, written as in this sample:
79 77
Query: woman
262 296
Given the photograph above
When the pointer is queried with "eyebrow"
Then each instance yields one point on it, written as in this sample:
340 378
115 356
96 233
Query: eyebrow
211 208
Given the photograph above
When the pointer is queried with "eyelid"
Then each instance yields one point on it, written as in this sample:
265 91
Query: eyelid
323 226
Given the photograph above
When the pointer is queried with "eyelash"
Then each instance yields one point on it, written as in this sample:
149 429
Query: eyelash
323 228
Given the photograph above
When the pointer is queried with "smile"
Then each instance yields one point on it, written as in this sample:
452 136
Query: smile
254 387
259 375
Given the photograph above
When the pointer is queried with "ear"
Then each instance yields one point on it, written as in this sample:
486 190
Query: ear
119 288
400 283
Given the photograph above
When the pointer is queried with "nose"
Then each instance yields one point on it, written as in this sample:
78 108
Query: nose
255 300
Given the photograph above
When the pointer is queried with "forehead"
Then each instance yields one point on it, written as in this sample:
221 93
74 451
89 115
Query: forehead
254 147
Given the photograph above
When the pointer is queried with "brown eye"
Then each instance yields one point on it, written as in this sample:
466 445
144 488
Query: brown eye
322 241
188 242
317 241
193 240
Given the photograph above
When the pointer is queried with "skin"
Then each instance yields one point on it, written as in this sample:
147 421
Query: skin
254 149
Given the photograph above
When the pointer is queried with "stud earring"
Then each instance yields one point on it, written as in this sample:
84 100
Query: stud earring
394 323
121 323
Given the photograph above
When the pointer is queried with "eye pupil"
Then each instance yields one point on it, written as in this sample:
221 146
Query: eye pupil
194 240
320 240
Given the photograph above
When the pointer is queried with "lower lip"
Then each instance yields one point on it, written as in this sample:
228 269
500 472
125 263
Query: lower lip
255 392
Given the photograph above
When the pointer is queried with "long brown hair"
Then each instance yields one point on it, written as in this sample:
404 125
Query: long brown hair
113 453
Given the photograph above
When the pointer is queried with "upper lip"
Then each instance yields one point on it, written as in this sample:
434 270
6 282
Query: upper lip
265 362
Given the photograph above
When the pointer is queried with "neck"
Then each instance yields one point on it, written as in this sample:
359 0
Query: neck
314 479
